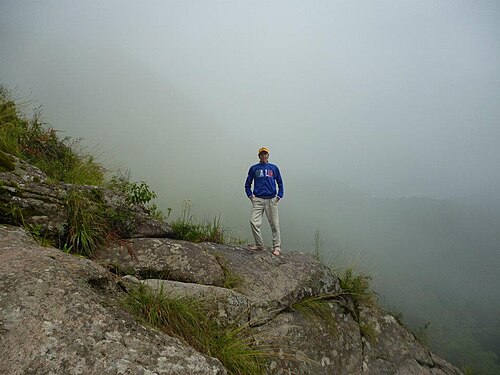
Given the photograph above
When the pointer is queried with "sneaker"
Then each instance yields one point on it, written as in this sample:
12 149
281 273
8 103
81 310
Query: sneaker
255 248
277 251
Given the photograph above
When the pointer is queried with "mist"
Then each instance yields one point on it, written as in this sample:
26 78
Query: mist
383 117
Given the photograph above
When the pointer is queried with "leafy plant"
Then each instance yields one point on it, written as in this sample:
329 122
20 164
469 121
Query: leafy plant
191 320
136 193
139 193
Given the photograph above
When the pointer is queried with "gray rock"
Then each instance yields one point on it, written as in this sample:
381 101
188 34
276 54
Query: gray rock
59 315
230 307
309 345
271 283
163 258
42 203
395 350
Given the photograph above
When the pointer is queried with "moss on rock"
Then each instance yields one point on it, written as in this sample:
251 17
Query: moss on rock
6 164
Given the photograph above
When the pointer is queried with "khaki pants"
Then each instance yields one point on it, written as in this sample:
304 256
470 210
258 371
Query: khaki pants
270 207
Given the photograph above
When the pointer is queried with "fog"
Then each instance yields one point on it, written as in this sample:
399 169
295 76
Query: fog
383 117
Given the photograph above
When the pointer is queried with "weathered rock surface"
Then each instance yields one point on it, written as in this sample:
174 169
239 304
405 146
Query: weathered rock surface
311 345
231 307
155 258
395 350
304 344
58 315
271 283
42 203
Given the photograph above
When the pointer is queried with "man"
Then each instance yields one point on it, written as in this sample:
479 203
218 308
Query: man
265 176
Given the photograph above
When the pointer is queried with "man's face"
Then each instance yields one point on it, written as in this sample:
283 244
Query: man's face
263 156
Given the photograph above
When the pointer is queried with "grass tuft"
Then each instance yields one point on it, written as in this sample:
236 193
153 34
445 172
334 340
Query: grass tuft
318 308
357 285
188 229
368 331
231 279
88 224
29 139
191 321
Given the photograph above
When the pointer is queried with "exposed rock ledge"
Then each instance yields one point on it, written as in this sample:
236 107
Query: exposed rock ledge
59 313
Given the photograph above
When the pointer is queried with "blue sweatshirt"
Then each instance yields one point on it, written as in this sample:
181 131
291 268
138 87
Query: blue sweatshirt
265 176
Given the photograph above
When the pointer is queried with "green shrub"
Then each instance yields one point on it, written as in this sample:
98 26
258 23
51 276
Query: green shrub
192 321
357 285
139 193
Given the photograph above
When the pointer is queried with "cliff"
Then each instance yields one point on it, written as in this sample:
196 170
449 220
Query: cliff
62 313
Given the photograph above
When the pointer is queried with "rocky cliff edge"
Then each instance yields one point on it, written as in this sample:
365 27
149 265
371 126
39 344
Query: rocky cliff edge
61 314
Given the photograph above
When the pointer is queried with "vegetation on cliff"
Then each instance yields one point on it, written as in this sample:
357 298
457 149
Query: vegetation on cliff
91 222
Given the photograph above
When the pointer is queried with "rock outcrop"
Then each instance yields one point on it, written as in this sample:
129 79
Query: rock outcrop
61 313
27 193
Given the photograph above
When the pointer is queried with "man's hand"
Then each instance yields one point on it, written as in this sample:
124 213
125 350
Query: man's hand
251 197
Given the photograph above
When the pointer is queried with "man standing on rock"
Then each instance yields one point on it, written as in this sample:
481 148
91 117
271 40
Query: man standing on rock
265 176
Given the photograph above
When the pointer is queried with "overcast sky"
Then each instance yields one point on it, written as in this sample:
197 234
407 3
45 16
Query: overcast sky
393 98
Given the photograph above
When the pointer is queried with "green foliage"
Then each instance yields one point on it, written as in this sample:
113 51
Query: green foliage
61 159
10 213
467 370
357 285
318 308
6 164
156 213
187 228
136 193
39 234
88 223
192 321
139 193
368 331
231 279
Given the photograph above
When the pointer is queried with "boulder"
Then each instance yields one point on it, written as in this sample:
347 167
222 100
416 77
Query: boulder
230 306
395 350
311 345
163 258
272 283
60 315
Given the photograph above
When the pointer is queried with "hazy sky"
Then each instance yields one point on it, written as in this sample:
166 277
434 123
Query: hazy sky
389 97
